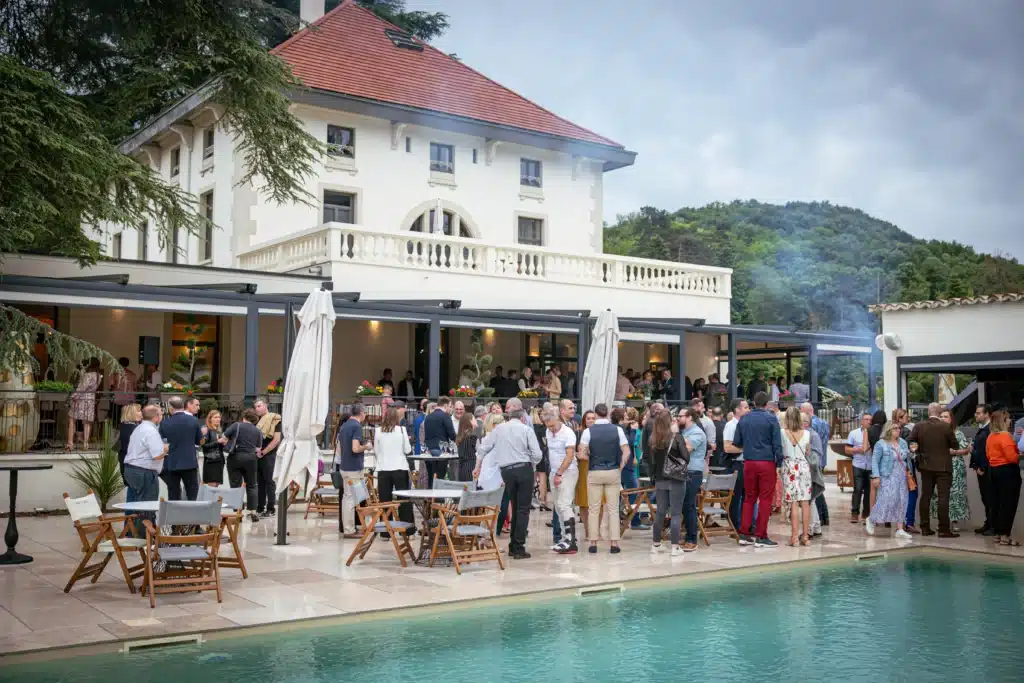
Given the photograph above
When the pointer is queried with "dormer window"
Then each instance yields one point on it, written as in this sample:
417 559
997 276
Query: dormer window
530 173
403 40
341 142
442 158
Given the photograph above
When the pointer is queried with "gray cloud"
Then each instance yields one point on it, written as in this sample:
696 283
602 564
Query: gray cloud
910 111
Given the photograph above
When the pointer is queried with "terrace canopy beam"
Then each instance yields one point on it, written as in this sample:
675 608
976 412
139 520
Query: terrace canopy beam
113 278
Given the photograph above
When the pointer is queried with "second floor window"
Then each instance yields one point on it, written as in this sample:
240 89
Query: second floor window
442 158
529 173
531 231
341 142
208 144
115 247
339 207
175 162
206 235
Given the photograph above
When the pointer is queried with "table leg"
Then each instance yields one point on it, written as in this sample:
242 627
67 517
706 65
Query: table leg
11 535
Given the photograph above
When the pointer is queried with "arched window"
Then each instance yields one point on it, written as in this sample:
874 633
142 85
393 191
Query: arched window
450 219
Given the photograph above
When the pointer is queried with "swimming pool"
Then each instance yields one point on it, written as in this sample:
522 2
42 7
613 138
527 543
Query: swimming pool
914 618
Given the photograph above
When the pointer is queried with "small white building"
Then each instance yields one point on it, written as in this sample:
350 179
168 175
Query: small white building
982 336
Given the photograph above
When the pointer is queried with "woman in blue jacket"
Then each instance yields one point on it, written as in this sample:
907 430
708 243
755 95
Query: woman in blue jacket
889 466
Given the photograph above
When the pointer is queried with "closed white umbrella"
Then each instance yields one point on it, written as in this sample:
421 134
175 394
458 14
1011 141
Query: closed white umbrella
306 394
602 362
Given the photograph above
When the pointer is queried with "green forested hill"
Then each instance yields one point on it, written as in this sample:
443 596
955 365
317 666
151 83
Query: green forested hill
815 265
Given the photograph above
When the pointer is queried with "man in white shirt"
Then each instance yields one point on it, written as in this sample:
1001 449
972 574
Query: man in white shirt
606 447
144 461
561 440
734 458
857 448
457 412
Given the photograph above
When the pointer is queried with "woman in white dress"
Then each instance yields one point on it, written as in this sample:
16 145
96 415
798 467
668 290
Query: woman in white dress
796 474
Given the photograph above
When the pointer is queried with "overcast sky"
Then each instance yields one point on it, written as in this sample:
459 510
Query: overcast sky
910 110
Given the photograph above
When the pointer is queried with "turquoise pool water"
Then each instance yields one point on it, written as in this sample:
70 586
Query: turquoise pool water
915 619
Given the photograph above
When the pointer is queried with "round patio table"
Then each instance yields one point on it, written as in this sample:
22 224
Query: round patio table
12 556
423 498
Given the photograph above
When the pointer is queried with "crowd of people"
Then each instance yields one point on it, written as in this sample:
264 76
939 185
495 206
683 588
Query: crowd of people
904 472
152 446
778 458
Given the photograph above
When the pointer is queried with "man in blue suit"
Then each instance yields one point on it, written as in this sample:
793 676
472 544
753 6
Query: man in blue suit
182 433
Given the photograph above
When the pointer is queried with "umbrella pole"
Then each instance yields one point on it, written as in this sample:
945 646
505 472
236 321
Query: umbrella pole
282 517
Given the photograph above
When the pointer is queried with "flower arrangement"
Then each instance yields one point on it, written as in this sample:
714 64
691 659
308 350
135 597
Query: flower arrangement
635 395
173 387
528 393
276 387
367 389
462 392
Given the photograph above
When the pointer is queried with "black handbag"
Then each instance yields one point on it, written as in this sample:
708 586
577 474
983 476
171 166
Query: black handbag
674 469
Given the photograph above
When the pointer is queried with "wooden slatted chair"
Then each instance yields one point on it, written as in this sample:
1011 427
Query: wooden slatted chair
96 532
325 499
717 490
644 496
231 522
468 530
379 518
195 554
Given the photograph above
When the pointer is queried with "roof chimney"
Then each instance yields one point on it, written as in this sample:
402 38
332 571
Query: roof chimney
311 10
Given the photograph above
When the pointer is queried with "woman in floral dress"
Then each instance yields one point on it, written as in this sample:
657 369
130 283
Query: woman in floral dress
83 404
959 511
889 469
796 474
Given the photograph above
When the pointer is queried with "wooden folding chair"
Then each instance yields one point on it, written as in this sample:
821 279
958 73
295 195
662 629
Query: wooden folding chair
324 499
468 530
230 522
644 496
717 490
96 532
371 487
379 518
194 554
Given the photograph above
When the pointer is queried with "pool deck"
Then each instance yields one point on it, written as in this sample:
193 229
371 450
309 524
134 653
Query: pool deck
309 579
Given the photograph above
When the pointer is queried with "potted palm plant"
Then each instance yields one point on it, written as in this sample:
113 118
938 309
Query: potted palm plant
102 474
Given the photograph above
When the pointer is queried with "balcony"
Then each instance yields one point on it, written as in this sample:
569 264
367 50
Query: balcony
471 269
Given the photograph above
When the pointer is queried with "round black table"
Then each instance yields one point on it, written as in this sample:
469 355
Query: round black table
12 556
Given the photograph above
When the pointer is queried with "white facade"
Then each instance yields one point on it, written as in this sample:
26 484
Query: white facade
388 178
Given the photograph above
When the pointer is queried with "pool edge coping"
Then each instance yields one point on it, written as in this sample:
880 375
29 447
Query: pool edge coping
115 644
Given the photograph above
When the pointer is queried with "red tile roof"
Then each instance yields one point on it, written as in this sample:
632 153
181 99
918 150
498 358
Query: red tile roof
347 52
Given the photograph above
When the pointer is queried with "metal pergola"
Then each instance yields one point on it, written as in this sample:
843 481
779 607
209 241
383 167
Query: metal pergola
239 298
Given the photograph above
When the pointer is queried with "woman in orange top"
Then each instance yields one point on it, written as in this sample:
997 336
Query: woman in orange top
1004 468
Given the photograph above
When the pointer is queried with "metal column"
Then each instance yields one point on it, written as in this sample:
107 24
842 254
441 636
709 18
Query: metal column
871 380
582 350
734 379
789 368
289 337
252 332
813 362
681 366
289 346
434 358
